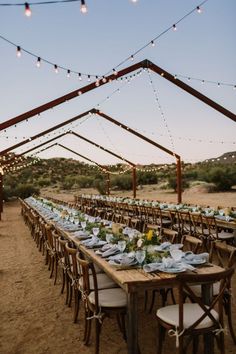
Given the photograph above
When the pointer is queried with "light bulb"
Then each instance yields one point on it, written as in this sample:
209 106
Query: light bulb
152 43
18 51
174 27
132 57
68 73
199 10
56 69
89 79
80 77
38 64
28 11
83 7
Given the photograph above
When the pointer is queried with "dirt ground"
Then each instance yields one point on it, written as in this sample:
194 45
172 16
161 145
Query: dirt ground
33 316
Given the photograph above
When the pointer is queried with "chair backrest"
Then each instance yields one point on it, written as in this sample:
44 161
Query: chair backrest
210 227
169 235
185 281
70 255
222 254
196 219
185 222
191 243
86 269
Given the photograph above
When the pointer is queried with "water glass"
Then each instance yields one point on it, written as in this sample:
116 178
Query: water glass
109 237
83 224
121 245
140 256
95 231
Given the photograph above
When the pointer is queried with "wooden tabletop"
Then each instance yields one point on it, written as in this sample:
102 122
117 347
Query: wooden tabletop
135 279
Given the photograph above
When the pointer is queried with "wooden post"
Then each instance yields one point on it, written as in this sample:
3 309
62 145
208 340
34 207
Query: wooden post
134 181
179 179
1 194
108 183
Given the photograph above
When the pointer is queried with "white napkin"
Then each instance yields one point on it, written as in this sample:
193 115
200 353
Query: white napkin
80 233
189 256
112 250
151 267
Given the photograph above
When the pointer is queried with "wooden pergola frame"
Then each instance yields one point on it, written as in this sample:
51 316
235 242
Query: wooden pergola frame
143 64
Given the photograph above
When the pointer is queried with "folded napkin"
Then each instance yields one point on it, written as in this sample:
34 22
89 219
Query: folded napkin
112 250
151 267
80 233
126 260
93 243
189 256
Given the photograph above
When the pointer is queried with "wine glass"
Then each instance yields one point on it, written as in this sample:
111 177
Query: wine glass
95 233
121 245
140 256
109 237
83 225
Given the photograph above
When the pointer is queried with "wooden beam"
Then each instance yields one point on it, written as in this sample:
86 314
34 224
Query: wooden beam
102 148
3 152
36 111
190 90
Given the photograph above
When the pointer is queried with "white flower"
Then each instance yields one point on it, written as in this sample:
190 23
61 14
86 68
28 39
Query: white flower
140 242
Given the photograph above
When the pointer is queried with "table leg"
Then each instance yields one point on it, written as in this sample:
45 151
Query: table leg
132 323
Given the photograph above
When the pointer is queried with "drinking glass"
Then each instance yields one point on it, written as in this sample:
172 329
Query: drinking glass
121 245
109 237
95 231
83 225
140 256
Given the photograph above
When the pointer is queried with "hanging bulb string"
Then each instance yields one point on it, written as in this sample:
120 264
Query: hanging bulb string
99 76
39 3
163 116
152 42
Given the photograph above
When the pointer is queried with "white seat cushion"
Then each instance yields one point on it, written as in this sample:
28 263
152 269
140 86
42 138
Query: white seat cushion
110 298
198 290
103 281
223 235
170 314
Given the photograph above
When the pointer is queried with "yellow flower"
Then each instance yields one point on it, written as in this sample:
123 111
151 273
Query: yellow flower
150 235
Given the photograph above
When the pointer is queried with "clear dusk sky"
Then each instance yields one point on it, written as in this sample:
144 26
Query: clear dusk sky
203 47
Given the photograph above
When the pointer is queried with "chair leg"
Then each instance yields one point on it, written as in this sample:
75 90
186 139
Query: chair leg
160 338
63 281
97 335
123 326
70 294
87 331
228 311
56 270
77 295
52 262
67 288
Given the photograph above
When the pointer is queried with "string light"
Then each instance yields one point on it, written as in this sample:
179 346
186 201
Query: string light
83 7
68 73
152 42
28 11
199 10
18 51
56 68
174 27
38 63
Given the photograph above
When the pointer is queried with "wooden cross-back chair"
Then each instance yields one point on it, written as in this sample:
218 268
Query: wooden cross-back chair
190 320
99 303
223 255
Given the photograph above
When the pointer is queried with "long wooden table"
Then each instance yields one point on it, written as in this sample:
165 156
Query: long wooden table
134 281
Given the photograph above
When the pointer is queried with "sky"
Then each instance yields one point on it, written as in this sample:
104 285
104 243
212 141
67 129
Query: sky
202 47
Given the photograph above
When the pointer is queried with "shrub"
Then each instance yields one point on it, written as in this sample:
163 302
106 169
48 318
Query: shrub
22 191
122 182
